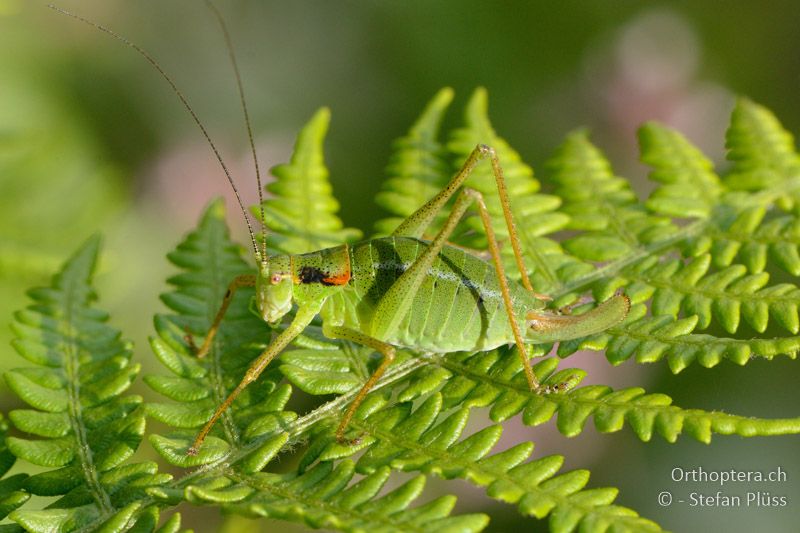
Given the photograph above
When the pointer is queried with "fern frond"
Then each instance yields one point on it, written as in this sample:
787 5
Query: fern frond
324 497
495 379
688 186
12 493
742 229
330 371
679 277
428 438
87 428
417 169
209 261
762 152
398 437
728 295
713 268
602 206
753 240
302 213
652 338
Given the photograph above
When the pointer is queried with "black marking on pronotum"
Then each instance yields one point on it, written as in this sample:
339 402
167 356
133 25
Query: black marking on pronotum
309 274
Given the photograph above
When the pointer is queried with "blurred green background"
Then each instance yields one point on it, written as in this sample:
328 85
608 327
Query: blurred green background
92 140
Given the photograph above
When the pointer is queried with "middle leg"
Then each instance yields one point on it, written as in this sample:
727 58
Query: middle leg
387 350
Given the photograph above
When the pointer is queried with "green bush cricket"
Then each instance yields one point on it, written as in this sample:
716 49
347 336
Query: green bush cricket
400 291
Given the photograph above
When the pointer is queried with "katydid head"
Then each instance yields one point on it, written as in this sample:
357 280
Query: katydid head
274 288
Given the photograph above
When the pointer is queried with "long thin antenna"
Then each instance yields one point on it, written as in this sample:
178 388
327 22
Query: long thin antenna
243 100
185 103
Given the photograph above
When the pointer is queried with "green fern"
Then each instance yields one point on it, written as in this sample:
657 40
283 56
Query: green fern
696 259
417 170
210 260
302 213
12 493
88 430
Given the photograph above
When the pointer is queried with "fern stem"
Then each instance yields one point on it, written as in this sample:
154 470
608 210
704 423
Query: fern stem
710 293
775 426
71 368
217 374
696 339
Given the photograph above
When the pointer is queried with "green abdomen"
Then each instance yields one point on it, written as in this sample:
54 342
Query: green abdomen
459 305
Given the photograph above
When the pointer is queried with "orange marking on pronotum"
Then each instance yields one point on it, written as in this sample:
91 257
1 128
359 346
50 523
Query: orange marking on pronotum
338 279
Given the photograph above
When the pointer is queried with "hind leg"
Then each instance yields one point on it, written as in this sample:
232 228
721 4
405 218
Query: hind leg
416 223
396 301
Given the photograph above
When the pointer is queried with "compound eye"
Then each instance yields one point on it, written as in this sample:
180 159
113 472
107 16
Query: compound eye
276 278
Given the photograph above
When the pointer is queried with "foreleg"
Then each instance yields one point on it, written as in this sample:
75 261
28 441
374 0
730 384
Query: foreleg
301 320
246 280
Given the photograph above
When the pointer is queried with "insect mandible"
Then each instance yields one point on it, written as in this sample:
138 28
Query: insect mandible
400 291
